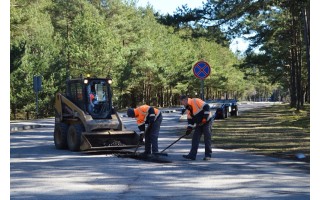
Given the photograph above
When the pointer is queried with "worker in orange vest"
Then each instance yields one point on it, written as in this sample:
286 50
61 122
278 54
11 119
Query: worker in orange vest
198 112
146 114
91 105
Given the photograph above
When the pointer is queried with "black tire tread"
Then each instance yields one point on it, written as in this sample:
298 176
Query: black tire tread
60 135
74 142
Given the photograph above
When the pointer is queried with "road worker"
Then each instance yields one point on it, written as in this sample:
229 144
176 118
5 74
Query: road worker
92 98
146 114
198 114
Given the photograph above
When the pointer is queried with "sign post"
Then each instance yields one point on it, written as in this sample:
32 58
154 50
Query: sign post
37 86
201 70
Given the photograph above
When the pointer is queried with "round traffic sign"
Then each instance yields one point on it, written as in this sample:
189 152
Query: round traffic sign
201 69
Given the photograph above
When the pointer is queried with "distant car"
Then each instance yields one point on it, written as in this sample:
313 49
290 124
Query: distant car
219 108
234 107
223 108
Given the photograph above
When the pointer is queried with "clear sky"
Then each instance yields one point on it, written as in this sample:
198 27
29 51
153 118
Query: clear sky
169 6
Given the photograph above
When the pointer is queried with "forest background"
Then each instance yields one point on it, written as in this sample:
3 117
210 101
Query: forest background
150 56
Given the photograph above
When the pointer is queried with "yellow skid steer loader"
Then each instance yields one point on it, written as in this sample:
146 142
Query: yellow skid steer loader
85 118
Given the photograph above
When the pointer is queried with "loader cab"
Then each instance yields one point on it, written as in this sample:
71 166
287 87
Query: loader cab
92 95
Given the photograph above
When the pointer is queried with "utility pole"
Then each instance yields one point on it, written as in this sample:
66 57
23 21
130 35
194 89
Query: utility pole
37 86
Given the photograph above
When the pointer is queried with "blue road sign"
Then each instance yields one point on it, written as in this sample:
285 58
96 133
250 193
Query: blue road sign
37 83
201 69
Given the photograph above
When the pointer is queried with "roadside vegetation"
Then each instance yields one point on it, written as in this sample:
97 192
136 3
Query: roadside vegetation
277 131
150 57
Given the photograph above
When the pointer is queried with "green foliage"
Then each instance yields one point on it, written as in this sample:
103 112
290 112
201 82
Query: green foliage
277 31
57 39
90 44
32 52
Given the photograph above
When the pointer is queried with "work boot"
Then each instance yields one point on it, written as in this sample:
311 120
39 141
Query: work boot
206 158
188 157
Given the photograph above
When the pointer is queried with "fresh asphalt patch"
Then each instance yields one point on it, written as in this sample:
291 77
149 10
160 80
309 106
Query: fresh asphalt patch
157 158
150 158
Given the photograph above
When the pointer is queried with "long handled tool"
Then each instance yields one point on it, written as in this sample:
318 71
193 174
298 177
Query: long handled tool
135 151
145 132
212 118
173 143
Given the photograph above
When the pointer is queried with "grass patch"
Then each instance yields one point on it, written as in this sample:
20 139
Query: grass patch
277 131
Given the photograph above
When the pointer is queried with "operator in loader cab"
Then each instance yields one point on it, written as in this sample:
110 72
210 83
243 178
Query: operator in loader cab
146 114
198 112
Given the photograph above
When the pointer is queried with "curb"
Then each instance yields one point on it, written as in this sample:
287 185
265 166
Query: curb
23 127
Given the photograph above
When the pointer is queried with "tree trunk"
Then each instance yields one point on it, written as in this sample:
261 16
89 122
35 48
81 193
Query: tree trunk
171 99
306 22
134 100
293 82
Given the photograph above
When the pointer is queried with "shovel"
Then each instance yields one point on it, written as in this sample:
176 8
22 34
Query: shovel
138 145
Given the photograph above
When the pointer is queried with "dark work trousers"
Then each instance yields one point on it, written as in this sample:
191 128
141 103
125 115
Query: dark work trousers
206 131
151 138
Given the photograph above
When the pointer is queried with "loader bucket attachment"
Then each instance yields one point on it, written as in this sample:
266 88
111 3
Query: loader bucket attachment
85 144
109 140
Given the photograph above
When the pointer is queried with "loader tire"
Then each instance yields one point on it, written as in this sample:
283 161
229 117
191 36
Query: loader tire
60 135
74 137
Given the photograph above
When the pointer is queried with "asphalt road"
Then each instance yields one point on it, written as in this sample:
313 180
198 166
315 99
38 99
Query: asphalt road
39 171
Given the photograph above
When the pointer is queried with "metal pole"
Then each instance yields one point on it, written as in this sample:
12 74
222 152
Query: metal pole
37 104
202 90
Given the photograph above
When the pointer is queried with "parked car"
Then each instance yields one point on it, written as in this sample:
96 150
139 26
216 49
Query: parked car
219 108
234 107
223 108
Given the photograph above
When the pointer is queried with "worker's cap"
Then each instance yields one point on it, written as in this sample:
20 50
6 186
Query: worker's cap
130 112
182 97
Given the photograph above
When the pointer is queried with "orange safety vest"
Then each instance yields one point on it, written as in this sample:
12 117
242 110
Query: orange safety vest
142 112
91 96
197 106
